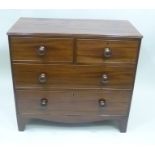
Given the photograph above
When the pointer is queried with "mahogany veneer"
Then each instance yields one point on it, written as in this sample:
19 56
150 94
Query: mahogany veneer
73 71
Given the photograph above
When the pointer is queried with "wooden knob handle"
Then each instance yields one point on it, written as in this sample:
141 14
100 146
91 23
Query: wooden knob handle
41 50
42 78
107 52
102 102
43 102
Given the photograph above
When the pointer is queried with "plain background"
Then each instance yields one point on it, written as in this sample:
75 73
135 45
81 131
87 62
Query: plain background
141 125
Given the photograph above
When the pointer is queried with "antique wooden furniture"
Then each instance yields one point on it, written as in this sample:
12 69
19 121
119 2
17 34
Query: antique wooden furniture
73 71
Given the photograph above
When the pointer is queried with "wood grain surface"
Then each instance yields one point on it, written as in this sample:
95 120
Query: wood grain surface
74 27
73 70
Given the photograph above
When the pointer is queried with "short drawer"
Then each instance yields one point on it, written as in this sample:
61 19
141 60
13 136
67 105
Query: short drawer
42 49
73 103
102 51
47 76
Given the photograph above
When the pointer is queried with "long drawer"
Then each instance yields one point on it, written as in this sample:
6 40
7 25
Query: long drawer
73 102
112 76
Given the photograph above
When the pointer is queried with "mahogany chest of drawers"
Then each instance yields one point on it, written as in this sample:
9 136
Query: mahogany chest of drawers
73 71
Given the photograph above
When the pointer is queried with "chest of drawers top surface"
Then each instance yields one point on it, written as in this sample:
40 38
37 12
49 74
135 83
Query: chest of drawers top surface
73 70
82 27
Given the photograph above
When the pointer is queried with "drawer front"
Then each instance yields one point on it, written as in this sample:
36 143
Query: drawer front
42 49
73 76
102 51
73 103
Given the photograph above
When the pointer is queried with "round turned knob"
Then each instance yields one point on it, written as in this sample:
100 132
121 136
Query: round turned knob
102 102
43 102
104 78
42 78
107 52
41 50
